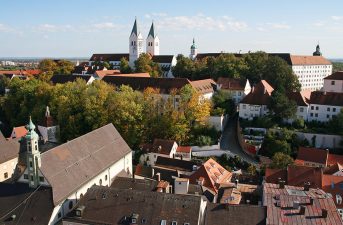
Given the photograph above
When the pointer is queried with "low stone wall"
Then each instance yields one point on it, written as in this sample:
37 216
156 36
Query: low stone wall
210 153
247 148
321 140
205 148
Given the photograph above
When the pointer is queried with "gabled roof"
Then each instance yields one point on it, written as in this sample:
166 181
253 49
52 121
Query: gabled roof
134 184
165 85
102 73
31 206
19 131
220 214
333 158
230 83
103 205
184 149
9 149
204 86
313 155
298 97
333 185
69 166
309 60
62 79
334 168
212 174
109 57
259 94
326 98
335 76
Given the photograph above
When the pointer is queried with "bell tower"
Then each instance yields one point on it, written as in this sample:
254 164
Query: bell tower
152 42
33 155
135 44
194 51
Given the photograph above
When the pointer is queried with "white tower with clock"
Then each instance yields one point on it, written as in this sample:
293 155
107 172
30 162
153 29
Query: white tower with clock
135 44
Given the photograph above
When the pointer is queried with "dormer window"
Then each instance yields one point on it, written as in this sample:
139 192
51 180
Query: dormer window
339 199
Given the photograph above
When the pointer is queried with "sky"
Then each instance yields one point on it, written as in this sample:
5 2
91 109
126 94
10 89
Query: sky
79 28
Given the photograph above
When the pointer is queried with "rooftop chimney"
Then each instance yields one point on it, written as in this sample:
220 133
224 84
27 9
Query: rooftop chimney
307 186
296 204
324 213
236 182
311 201
302 210
281 184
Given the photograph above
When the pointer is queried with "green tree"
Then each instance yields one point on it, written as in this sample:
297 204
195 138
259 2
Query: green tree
223 100
336 123
64 67
47 66
4 83
281 106
124 66
255 66
144 64
184 67
281 161
280 75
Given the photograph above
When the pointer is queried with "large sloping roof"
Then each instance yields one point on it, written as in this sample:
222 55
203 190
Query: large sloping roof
298 97
259 95
212 174
309 60
165 85
69 166
109 57
175 164
105 205
335 76
230 83
221 214
31 207
9 149
61 79
204 86
326 98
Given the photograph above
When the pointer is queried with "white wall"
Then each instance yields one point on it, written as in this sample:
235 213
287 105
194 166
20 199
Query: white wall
9 168
247 111
111 172
322 113
218 122
333 86
322 140
311 76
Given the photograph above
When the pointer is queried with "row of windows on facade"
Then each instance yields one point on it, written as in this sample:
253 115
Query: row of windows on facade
311 71
328 109
311 76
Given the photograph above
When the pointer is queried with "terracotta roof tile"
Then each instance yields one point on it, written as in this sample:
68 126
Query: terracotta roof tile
203 86
160 146
184 149
230 83
9 149
332 159
309 60
259 95
326 98
19 131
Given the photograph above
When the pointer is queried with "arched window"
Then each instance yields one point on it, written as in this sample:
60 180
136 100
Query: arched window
81 195
100 181
105 177
71 204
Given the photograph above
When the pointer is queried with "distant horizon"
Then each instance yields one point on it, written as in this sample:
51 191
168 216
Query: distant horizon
64 28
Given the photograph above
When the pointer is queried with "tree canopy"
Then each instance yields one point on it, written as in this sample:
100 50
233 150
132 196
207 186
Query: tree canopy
144 64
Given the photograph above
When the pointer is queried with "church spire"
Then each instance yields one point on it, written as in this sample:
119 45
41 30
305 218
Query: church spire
194 51
135 28
317 52
152 30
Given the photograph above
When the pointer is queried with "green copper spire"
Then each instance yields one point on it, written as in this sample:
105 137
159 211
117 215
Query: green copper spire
193 45
135 28
152 30
30 126
31 130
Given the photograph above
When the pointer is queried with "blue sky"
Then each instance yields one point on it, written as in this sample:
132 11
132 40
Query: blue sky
74 28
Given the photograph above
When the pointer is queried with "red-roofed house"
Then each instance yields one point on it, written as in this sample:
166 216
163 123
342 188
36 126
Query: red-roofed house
184 152
160 147
334 82
211 174
312 157
18 132
236 87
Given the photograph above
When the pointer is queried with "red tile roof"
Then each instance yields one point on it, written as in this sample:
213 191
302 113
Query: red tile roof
19 131
213 174
273 175
259 95
230 83
309 60
280 210
333 185
332 159
132 74
335 76
203 86
333 168
160 146
326 98
313 155
102 73
298 97
184 149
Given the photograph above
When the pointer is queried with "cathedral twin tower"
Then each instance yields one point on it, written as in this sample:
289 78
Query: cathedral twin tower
136 43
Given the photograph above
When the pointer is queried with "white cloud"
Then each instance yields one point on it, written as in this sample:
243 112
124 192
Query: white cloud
53 28
337 18
105 25
319 24
281 26
201 22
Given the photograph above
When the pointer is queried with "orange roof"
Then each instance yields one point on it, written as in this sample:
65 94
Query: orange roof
184 149
335 76
309 60
102 73
19 131
230 83
332 159
203 86
132 74
259 95
313 155
333 185
213 174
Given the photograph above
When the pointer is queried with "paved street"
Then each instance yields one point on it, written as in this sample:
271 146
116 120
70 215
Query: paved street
230 143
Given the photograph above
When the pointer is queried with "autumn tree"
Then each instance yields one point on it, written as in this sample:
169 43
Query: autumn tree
144 64
281 161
